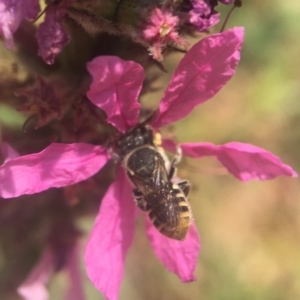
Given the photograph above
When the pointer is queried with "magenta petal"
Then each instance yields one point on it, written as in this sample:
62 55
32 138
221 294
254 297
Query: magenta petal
56 166
179 257
111 237
34 286
115 89
244 161
202 72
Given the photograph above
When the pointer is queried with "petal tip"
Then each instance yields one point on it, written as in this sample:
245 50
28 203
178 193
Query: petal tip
239 32
239 29
189 279
294 174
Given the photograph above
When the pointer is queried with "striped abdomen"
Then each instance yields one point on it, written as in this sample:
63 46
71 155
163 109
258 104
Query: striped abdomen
170 213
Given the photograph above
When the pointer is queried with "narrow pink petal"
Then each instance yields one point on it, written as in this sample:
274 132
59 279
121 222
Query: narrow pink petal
196 150
179 257
244 161
111 237
115 89
75 290
56 166
203 71
34 286
8 152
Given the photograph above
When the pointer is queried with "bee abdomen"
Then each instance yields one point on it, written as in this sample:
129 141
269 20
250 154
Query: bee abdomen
173 221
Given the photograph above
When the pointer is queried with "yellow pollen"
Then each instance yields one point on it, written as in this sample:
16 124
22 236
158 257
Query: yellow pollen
164 30
157 139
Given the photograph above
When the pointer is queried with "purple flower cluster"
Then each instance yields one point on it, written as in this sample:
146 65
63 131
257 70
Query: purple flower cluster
157 28
51 35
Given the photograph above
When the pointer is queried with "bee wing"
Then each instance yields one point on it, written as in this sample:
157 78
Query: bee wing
172 213
167 214
160 174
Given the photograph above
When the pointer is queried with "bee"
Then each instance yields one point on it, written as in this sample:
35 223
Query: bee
146 166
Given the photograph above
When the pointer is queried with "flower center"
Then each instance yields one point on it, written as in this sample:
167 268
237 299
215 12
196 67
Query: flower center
164 30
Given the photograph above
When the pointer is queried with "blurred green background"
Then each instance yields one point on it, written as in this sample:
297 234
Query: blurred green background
250 232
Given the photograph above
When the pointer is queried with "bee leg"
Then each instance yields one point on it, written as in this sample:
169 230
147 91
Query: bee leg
137 193
185 187
176 160
139 199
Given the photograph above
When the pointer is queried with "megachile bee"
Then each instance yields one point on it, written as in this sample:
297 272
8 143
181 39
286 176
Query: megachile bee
146 166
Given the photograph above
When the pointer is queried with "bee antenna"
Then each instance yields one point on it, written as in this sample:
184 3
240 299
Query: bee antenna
237 3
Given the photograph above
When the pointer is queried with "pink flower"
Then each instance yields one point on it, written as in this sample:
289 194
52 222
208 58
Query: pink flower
202 16
51 35
12 13
116 84
160 30
34 286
